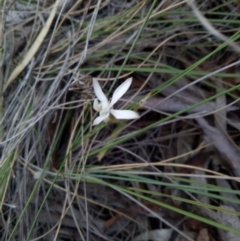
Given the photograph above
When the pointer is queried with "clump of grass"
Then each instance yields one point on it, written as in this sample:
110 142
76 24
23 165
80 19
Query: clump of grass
166 169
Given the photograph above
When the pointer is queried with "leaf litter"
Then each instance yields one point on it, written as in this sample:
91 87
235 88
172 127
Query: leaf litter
174 180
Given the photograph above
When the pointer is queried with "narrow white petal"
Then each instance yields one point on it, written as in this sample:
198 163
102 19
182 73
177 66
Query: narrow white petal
124 114
95 105
100 118
120 91
98 91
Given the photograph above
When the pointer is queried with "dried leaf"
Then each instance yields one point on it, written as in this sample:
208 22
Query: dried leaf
225 184
223 145
203 235
175 104
229 220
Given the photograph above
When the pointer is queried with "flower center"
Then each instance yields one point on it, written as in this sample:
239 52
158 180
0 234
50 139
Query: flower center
104 108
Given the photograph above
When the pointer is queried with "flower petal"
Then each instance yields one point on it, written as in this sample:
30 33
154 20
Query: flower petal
100 118
98 91
95 105
120 91
124 114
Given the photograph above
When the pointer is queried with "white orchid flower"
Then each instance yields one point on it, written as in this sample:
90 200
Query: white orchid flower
105 108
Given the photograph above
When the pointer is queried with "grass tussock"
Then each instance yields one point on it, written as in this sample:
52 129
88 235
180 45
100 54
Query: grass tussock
172 174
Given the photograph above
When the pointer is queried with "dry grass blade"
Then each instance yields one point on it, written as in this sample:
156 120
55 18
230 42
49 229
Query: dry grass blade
210 28
34 48
2 21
